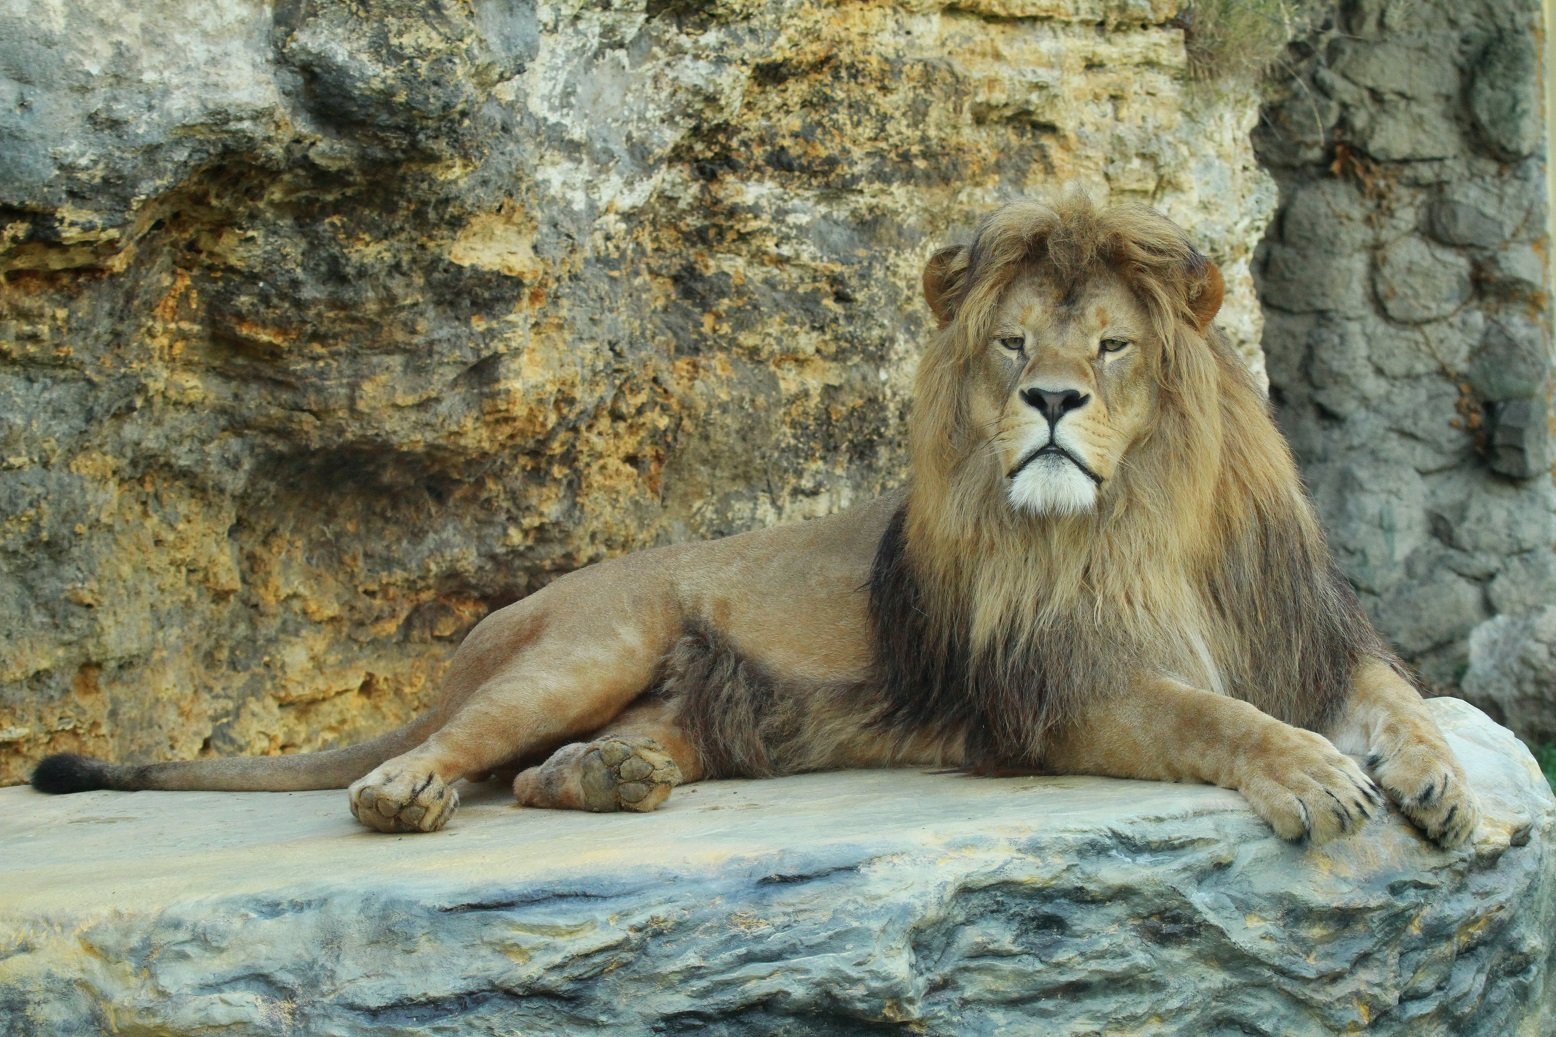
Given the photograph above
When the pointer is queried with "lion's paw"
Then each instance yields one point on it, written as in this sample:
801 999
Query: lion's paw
1307 789
403 801
621 775
608 774
1425 782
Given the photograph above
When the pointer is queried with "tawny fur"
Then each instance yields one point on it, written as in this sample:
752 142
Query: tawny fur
1102 562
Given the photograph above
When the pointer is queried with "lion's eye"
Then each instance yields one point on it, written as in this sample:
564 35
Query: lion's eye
1114 345
1014 343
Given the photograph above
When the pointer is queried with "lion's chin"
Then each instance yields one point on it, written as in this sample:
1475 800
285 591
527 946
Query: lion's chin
1052 485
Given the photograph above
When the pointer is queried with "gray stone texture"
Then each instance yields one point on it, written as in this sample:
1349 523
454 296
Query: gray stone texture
1511 660
325 328
1408 332
853 903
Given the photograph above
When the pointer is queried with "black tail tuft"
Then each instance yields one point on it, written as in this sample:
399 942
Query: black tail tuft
67 772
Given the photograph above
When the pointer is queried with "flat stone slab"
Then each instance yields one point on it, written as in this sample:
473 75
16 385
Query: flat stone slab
888 901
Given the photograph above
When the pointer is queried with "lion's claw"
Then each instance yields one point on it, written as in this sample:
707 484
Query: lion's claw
1305 788
1429 789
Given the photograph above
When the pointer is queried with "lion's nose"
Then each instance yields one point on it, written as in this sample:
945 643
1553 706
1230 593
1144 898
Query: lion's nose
1054 404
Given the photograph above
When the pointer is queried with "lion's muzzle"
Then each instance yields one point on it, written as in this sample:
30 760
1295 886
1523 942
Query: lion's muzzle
1053 449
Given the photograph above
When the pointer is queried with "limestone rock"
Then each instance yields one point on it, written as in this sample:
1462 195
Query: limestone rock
327 328
829 903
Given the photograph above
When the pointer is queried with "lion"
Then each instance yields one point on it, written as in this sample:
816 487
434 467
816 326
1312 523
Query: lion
1102 562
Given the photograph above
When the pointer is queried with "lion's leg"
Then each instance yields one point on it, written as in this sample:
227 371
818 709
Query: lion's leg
1162 730
1386 721
632 764
413 792
546 696
507 720
561 663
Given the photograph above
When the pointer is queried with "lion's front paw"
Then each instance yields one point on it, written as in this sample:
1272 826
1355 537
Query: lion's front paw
1306 788
1425 782
403 800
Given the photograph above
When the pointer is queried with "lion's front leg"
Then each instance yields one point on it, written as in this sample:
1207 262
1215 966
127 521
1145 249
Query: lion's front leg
1162 730
1387 721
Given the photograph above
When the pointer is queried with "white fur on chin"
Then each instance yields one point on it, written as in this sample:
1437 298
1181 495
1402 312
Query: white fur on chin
1052 485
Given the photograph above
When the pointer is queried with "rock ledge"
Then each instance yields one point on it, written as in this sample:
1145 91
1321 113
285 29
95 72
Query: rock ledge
838 903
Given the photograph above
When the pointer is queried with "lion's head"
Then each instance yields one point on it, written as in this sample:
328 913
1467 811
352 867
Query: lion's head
1062 328
1097 489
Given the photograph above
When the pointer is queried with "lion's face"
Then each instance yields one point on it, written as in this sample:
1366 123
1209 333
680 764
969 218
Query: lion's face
1067 388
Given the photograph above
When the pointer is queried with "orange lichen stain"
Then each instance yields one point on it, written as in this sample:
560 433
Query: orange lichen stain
85 682
319 611
179 299
503 241
252 331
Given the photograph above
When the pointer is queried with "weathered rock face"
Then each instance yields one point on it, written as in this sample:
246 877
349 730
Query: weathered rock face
940 904
1407 328
1512 659
326 328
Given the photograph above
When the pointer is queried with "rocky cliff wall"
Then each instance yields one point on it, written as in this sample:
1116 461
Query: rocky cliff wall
1408 332
326 328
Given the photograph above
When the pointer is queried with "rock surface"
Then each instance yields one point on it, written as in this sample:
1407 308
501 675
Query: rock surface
326 328
1511 662
863 902
1407 329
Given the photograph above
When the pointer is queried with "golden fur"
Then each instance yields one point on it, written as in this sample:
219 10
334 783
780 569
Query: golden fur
1103 562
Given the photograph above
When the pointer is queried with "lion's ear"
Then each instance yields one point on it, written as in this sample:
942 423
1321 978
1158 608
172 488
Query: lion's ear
943 277
1206 293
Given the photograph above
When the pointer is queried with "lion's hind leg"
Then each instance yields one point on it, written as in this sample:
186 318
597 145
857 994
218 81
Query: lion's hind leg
603 775
414 791
632 764
1388 723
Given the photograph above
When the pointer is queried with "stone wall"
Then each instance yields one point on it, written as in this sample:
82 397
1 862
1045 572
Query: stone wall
326 328
1407 331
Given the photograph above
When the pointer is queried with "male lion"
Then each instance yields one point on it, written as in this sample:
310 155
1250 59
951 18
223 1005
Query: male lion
1103 563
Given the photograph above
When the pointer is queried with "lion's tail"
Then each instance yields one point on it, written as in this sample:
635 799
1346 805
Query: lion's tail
330 769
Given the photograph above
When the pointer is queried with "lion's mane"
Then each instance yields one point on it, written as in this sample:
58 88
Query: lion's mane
1204 556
